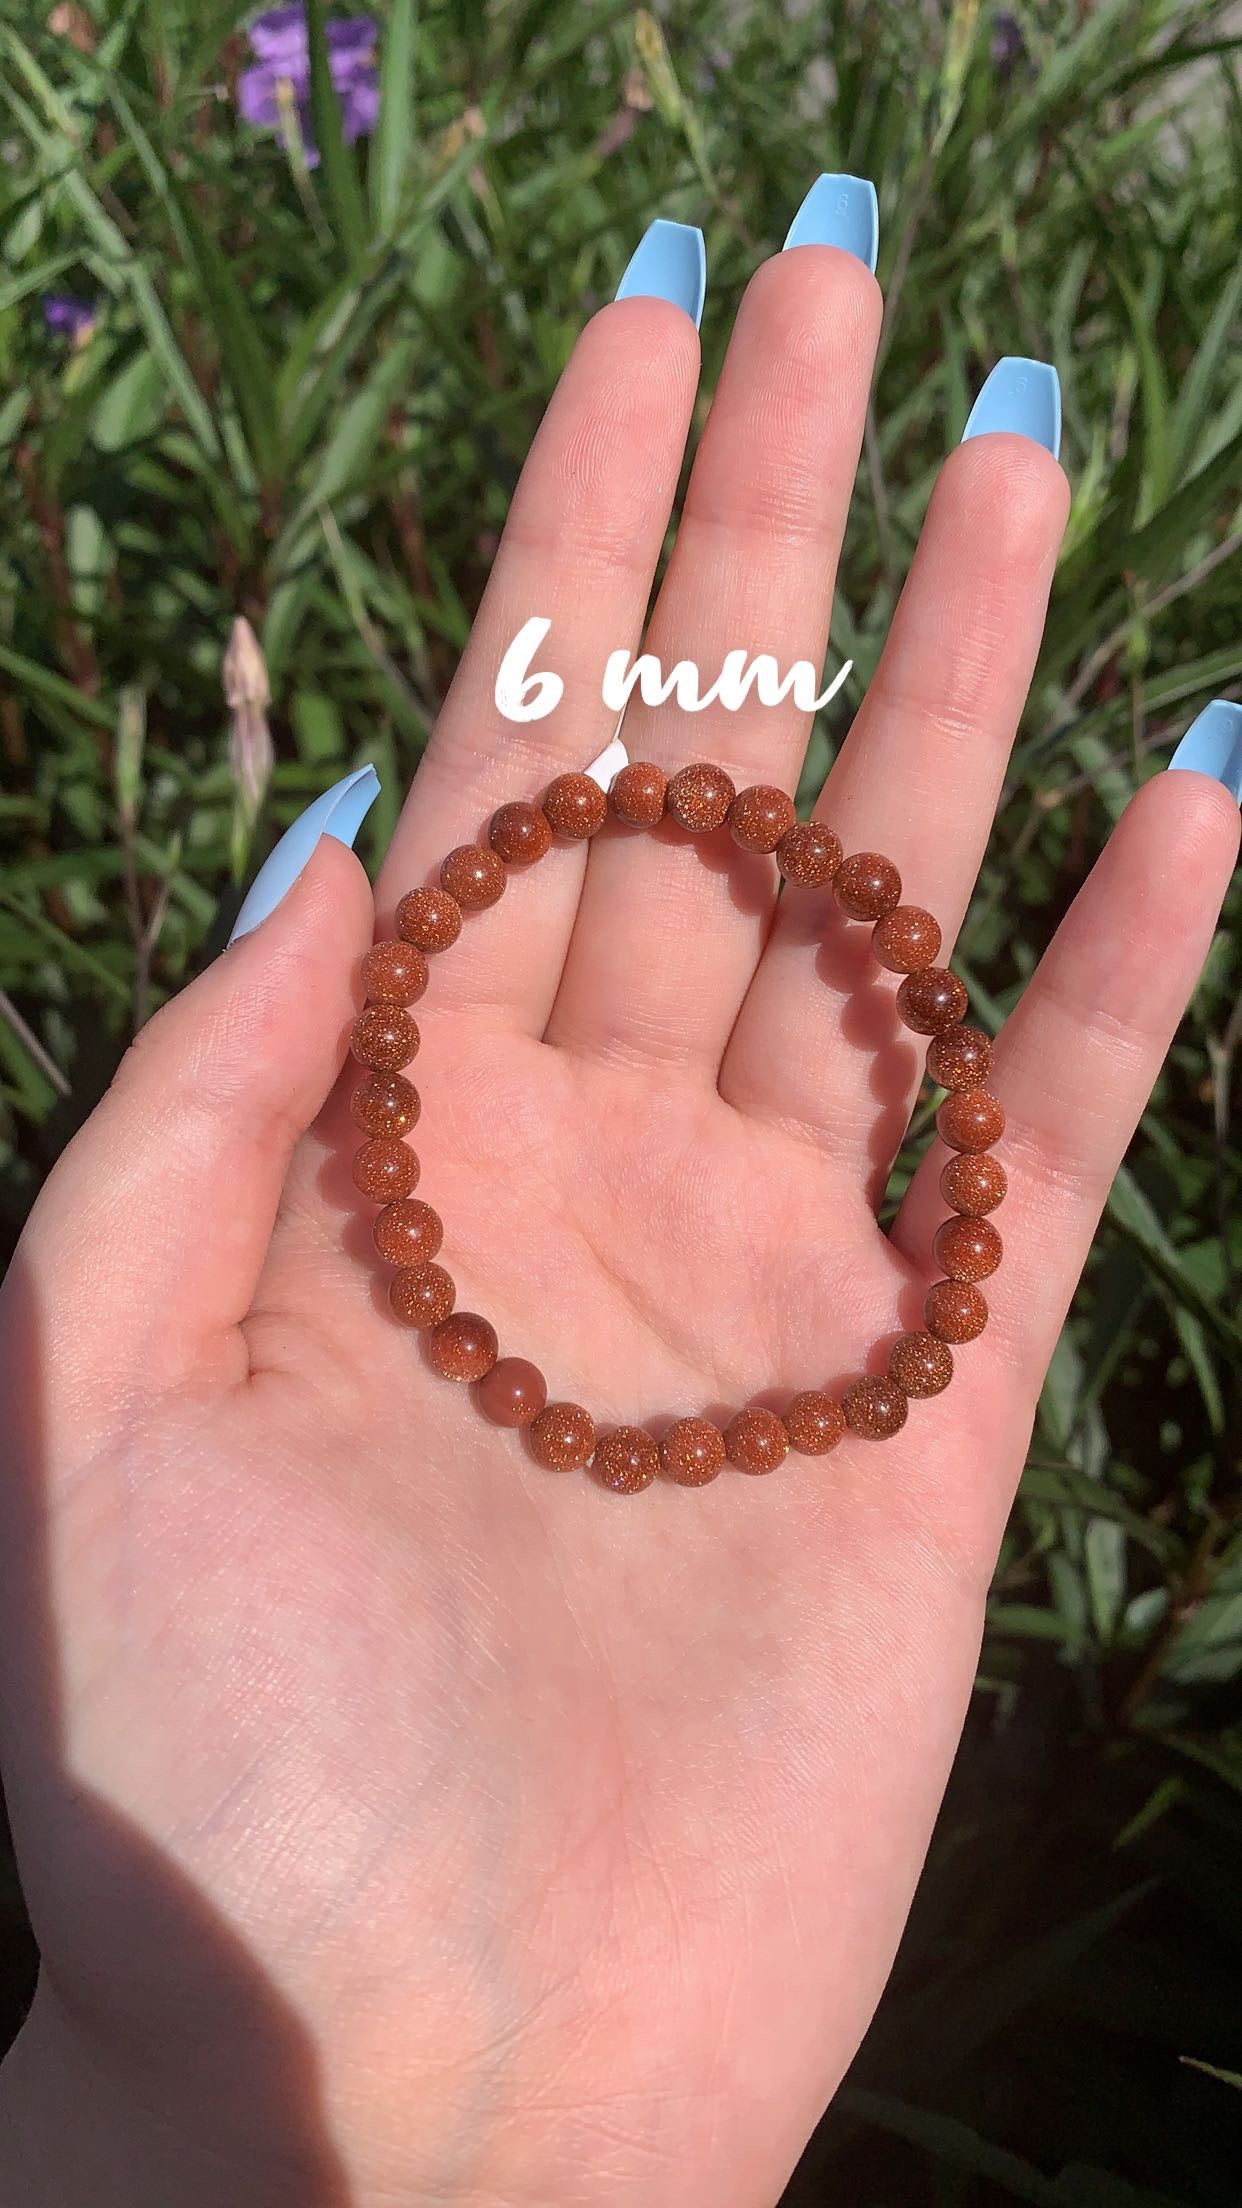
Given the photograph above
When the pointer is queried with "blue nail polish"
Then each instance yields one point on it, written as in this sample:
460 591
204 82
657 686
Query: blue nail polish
669 262
340 812
1213 745
839 210
1023 396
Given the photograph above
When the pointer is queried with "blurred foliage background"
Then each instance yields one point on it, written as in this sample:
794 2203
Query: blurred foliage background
257 371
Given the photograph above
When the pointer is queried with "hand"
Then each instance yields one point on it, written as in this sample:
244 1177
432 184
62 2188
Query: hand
404 1823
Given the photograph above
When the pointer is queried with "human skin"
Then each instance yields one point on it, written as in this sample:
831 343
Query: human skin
401 1823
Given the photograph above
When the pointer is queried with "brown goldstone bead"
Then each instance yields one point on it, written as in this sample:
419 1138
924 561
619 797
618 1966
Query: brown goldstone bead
563 1437
974 1185
760 816
384 1037
384 1168
967 1249
809 854
814 1423
385 1104
474 874
921 1364
637 798
394 973
575 806
874 1409
867 885
756 1441
422 1295
906 939
932 1000
431 918
408 1233
699 796
464 1346
960 1058
954 1311
626 1460
692 1452
513 1393
520 833
972 1120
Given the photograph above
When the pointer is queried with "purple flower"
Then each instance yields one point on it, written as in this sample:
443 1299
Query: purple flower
1008 45
68 317
279 82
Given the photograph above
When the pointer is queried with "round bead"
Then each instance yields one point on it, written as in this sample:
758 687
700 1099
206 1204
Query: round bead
563 1437
394 973
384 1168
967 1249
932 1000
960 1058
906 939
626 1460
637 798
520 834
874 1409
692 1452
974 1185
756 1441
954 1311
867 885
474 874
760 816
384 1037
422 1295
921 1364
385 1104
408 1232
814 1423
513 1393
809 854
575 806
972 1120
464 1346
699 796
430 918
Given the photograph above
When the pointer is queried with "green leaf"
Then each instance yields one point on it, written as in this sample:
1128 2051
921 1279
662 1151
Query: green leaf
339 171
393 143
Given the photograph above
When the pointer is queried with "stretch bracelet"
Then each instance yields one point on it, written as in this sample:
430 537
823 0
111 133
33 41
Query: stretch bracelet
905 939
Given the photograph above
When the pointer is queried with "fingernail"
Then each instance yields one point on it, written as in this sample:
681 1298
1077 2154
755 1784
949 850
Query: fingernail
1023 396
1213 745
669 262
839 210
340 812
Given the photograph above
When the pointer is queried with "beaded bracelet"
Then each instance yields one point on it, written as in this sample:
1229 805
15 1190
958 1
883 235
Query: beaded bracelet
932 1001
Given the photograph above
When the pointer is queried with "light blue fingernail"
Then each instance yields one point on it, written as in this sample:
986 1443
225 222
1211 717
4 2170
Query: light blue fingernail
1023 396
669 262
1213 745
340 812
839 210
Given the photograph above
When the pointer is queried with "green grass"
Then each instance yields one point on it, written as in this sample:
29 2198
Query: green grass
307 398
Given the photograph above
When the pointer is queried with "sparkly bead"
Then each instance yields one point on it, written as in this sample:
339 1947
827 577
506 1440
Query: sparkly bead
867 885
756 1441
385 1104
967 1249
637 798
814 1423
394 973
921 1364
430 918
809 854
422 1295
954 1311
960 1058
626 1460
464 1346
974 1185
699 796
874 1409
474 874
906 939
384 1037
759 817
520 834
563 1437
692 1452
513 1393
575 806
972 1120
932 1000
384 1168
409 1232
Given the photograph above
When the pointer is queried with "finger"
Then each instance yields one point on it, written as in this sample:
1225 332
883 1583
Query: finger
753 567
